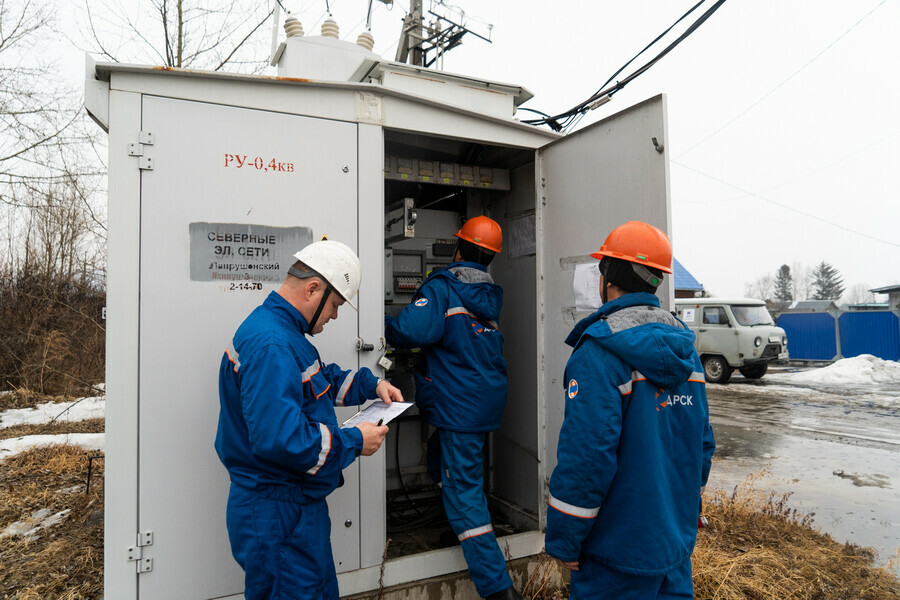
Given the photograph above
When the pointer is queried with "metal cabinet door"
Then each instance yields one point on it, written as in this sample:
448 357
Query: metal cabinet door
186 323
587 184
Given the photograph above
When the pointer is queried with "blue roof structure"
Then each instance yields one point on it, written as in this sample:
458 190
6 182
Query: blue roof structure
683 279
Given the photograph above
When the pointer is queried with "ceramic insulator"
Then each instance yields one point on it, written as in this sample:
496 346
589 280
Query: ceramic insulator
293 27
366 40
330 28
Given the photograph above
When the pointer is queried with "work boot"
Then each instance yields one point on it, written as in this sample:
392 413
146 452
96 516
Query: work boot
509 593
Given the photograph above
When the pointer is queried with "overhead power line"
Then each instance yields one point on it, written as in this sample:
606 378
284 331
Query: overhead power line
777 87
784 206
604 94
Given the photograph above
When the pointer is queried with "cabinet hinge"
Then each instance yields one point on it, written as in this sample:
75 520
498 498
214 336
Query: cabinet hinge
136 553
145 163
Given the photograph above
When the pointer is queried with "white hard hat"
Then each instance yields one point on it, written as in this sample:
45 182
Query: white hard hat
337 264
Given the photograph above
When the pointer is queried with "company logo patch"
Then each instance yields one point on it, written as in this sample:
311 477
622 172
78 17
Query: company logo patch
477 327
573 388
421 301
670 400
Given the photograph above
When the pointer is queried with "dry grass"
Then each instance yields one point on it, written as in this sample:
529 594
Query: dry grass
66 560
23 398
757 547
85 426
541 584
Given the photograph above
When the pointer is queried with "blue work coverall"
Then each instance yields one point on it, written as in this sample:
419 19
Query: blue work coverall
280 441
453 319
634 454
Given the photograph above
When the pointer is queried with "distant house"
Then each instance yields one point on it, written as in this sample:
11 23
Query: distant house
867 306
685 284
814 306
893 292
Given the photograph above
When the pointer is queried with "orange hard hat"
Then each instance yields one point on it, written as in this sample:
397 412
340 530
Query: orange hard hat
638 242
483 232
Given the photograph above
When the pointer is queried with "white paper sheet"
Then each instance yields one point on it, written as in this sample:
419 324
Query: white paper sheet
375 412
587 287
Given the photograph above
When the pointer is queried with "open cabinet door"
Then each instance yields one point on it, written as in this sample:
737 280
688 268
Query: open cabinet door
588 183
232 194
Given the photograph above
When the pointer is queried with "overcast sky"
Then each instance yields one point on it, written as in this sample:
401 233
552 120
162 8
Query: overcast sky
783 116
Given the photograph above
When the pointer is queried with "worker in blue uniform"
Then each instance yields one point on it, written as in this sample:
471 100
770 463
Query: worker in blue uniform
635 446
278 435
462 391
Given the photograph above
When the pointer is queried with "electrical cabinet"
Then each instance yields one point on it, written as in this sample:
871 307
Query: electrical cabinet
216 180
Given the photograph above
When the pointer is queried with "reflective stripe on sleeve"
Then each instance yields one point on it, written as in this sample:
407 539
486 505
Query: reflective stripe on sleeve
475 532
572 510
697 377
326 448
233 356
626 387
310 371
341 398
461 310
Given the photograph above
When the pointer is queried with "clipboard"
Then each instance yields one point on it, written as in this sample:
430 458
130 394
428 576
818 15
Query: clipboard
377 411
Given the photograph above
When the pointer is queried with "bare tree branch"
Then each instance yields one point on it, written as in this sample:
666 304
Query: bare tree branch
243 41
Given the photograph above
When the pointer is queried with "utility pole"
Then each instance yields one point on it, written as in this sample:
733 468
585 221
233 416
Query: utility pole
411 37
417 40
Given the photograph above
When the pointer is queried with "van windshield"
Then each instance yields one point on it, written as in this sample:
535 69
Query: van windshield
752 315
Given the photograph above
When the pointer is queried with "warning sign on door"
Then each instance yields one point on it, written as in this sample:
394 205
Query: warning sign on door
242 252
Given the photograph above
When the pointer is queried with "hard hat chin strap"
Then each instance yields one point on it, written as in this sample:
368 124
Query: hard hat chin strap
627 275
604 269
306 275
646 275
325 295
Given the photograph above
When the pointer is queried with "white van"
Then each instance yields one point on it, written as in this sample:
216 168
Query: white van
733 334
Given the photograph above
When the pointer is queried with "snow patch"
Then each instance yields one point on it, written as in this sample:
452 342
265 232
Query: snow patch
31 527
87 441
861 369
79 410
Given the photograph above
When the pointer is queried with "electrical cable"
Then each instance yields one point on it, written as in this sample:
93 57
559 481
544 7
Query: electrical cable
566 119
427 515
831 164
773 90
647 47
539 112
785 206
322 16
587 105
399 473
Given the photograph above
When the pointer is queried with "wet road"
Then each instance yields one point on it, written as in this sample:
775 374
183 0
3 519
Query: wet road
834 445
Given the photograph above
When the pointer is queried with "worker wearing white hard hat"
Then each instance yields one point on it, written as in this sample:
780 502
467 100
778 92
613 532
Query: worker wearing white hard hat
278 435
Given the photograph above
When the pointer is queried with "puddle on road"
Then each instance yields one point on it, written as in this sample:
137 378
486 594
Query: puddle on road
838 458
865 480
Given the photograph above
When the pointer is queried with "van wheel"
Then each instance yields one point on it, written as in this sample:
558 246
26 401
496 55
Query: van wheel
716 369
755 371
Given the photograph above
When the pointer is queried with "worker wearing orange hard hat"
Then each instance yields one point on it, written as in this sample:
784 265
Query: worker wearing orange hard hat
453 318
635 446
